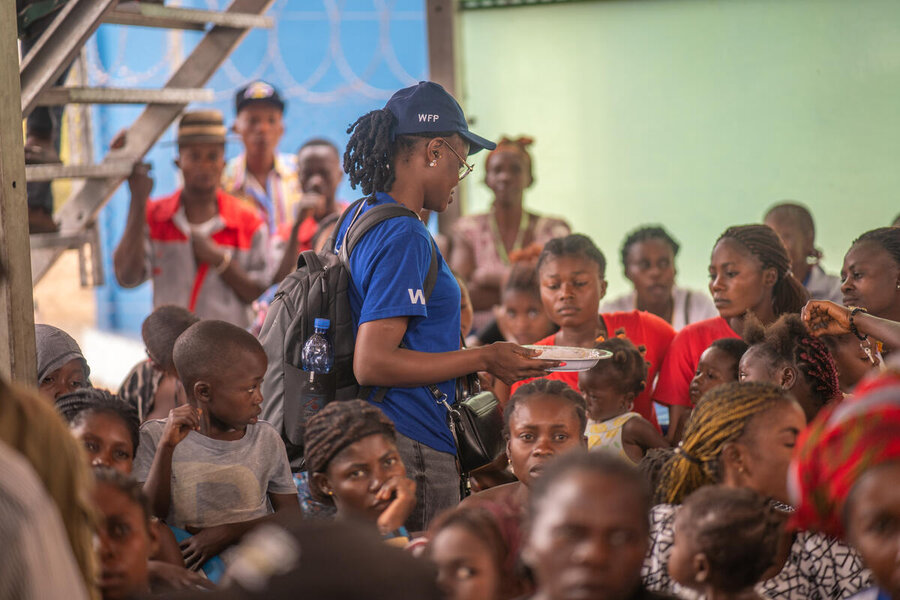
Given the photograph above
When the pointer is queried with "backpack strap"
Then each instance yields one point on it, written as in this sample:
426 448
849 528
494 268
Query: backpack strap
359 226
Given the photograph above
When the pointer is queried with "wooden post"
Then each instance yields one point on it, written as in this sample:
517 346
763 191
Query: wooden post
440 17
17 353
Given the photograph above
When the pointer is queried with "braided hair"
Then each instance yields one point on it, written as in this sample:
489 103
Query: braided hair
626 364
649 232
788 341
76 406
886 237
720 417
373 148
788 295
574 244
545 387
336 427
737 529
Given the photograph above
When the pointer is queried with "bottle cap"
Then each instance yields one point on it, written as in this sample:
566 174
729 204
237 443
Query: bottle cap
322 323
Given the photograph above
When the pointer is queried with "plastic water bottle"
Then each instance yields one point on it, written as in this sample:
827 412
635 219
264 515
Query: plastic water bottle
317 359
318 354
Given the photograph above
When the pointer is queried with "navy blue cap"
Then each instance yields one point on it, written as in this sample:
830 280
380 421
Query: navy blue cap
428 108
258 92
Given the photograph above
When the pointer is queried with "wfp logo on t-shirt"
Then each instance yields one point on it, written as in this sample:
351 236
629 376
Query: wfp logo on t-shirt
416 296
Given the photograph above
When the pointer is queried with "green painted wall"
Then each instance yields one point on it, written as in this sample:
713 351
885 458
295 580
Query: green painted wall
698 114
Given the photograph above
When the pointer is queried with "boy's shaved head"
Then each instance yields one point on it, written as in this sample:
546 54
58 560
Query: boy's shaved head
208 350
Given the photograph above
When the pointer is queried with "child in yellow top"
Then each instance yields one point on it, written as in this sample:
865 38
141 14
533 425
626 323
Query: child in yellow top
609 390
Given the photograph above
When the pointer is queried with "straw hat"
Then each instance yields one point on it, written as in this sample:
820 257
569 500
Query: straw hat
201 127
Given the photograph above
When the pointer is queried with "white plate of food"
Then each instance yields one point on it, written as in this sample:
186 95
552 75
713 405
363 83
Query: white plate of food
575 359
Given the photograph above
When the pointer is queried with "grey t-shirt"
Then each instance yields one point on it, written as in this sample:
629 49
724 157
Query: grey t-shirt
215 481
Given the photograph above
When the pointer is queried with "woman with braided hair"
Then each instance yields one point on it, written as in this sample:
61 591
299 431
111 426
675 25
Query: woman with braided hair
871 273
742 435
483 243
749 272
354 464
787 354
413 153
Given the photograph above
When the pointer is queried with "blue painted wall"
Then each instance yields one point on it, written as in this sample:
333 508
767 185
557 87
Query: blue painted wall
331 60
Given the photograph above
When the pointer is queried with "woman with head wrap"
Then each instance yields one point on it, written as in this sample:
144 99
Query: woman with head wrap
61 367
845 479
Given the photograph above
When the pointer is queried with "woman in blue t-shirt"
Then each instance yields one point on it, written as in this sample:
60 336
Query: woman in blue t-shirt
412 152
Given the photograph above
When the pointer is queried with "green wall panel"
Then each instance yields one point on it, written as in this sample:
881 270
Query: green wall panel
696 114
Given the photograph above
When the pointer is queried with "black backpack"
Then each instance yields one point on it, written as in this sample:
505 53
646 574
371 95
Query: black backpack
319 288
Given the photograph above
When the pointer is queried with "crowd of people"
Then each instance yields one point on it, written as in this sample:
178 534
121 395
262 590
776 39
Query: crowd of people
777 475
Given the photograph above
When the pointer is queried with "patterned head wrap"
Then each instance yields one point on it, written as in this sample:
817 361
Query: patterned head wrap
841 444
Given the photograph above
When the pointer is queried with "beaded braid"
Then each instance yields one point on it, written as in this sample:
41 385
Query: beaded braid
788 295
74 406
720 417
337 426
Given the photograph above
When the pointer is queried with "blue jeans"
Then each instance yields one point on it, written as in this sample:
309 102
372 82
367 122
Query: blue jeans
436 477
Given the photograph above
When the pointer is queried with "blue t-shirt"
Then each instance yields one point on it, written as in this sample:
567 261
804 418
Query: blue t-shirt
389 266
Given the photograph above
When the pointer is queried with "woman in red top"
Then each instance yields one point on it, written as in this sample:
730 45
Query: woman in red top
571 271
749 271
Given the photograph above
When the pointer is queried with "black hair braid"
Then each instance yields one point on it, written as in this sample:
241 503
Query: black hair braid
73 406
573 245
650 232
737 529
370 152
788 295
545 387
886 237
334 428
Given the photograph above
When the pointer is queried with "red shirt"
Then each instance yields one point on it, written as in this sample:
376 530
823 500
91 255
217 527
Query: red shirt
643 329
673 387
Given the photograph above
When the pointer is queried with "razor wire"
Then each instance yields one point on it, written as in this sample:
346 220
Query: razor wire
287 21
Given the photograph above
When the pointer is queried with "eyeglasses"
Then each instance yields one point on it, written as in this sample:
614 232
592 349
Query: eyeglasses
465 168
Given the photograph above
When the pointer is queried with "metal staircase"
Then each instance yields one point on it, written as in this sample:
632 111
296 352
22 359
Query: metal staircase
58 46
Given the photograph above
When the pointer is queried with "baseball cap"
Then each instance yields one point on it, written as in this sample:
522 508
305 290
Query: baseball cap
428 108
258 92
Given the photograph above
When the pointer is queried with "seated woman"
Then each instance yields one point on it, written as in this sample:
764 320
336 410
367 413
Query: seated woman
749 272
482 243
354 464
61 367
742 435
476 551
125 537
648 259
572 273
786 354
847 480
587 530
794 225
110 432
543 419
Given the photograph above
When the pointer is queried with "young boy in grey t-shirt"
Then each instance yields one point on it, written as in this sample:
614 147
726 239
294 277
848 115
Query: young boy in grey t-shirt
212 467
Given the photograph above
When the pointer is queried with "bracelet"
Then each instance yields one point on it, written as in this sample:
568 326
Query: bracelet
853 329
226 262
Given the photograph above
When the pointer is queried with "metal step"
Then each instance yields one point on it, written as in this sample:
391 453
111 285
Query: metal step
57 96
103 170
172 17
